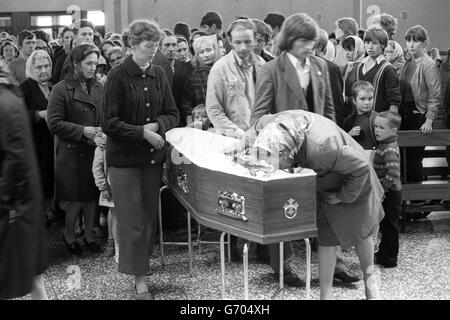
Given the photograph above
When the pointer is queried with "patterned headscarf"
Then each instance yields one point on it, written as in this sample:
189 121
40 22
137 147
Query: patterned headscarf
281 138
359 52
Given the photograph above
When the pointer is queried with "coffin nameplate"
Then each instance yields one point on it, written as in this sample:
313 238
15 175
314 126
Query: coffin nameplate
182 181
231 205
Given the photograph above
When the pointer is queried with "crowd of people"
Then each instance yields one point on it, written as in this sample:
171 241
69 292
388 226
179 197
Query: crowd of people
83 120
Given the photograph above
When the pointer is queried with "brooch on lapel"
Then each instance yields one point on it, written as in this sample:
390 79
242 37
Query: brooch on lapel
319 73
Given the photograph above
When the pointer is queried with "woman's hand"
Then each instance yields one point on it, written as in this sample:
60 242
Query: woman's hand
90 132
427 127
356 131
43 114
332 198
154 126
154 139
100 141
107 194
239 133
197 124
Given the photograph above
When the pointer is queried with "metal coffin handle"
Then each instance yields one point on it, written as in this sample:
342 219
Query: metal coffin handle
231 205
182 181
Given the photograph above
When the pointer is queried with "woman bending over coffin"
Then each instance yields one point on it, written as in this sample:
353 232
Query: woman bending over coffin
349 194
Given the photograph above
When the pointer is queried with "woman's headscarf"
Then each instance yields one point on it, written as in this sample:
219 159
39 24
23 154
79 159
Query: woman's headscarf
359 52
29 68
397 56
282 137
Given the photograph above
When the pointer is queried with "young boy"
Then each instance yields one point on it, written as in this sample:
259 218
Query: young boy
387 166
360 123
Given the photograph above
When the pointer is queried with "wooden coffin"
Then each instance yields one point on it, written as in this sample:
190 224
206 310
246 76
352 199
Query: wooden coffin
225 196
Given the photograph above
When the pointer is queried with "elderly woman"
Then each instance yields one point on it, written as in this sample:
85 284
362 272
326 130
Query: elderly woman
349 193
394 54
138 110
23 250
36 90
115 56
73 117
207 52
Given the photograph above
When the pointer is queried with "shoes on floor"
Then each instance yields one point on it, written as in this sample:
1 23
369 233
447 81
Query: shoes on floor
346 277
74 247
290 279
93 246
385 262
143 295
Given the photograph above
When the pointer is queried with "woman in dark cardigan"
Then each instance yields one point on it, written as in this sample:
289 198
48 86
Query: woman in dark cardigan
73 117
23 249
138 109
36 90
380 73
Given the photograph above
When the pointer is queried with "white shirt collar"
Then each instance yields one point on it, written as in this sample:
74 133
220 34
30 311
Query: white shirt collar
378 60
295 62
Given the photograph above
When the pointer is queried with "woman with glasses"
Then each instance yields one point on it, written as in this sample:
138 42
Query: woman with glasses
73 117
138 109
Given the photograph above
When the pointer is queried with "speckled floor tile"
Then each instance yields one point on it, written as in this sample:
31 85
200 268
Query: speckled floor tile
423 271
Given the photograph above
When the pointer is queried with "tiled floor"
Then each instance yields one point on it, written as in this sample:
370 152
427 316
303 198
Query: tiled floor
423 271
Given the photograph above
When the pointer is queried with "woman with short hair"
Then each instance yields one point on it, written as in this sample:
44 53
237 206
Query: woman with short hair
36 90
420 85
138 109
73 117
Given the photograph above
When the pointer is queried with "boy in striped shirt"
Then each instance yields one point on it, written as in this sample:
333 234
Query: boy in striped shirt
387 166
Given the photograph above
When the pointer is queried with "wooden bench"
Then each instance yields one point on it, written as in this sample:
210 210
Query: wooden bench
432 188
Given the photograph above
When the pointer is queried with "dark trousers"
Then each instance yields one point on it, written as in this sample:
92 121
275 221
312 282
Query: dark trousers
392 204
136 199
414 155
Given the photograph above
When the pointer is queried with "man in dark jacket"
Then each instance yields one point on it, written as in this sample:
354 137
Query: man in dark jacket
178 73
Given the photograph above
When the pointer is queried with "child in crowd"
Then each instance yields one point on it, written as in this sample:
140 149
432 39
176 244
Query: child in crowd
101 177
360 124
387 166
200 118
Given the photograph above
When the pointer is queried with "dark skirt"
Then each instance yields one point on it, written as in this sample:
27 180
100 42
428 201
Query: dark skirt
136 198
